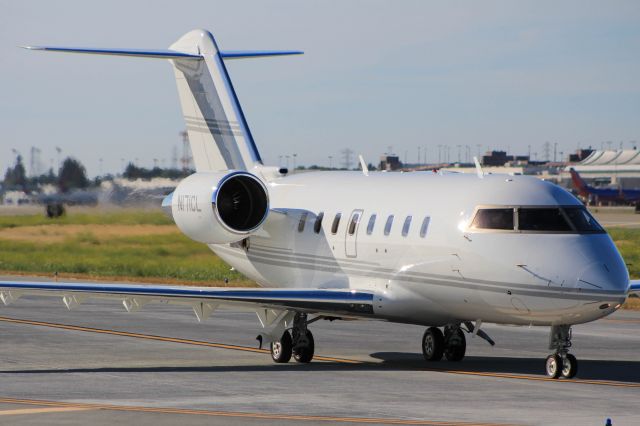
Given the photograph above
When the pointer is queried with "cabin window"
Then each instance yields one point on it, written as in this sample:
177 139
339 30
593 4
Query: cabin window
317 226
371 224
493 219
406 226
303 220
355 218
336 223
387 226
425 226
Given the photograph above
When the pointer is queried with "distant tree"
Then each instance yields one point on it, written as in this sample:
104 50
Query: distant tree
133 172
72 175
16 176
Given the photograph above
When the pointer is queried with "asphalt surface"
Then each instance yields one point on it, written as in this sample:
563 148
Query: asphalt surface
99 364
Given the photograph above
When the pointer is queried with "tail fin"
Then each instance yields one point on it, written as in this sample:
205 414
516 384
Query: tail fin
579 183
219 136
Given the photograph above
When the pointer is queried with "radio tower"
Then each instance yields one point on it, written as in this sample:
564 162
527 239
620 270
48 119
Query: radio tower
346 158
35 161
185 161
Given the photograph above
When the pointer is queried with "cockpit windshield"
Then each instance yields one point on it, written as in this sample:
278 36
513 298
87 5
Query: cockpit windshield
570 219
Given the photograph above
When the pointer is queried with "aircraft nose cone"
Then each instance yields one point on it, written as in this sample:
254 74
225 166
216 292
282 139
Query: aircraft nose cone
603 276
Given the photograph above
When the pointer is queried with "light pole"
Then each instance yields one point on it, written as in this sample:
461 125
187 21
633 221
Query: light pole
331 162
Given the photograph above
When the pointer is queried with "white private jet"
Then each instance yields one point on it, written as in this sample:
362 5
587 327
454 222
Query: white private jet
444 250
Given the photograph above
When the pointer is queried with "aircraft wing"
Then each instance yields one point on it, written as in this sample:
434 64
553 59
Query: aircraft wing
634 288
203 300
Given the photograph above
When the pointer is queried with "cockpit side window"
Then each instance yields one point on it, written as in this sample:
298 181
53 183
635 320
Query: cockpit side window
582 220
498 218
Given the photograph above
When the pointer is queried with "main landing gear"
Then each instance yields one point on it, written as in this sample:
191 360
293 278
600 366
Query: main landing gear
297 342
452 343
561 363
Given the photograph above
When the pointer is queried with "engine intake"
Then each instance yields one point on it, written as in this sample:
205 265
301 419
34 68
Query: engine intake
218 208
241 202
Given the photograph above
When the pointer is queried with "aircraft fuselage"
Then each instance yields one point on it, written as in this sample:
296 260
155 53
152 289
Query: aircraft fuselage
448 272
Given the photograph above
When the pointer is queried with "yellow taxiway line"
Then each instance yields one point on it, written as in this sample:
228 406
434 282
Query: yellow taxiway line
318 358
73 406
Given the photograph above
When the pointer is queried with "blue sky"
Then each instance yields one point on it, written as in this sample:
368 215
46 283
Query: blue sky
405 74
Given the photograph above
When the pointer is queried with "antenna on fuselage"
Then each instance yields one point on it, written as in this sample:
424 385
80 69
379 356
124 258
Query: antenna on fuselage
363 164
478 168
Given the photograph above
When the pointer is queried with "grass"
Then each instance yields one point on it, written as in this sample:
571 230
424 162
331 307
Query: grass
165 256
121 217
628 242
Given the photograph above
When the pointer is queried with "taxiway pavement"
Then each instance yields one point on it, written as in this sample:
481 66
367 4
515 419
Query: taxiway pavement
99 364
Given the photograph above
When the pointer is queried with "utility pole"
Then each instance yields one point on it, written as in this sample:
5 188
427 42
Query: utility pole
186 152
547 151
174 157
59 151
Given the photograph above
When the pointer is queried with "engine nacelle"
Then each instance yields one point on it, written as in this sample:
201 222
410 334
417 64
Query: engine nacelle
218 208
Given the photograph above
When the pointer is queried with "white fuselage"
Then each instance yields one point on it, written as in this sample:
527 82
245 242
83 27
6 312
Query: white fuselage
452 273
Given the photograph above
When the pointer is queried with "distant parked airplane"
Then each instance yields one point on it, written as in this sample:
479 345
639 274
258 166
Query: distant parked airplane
607 195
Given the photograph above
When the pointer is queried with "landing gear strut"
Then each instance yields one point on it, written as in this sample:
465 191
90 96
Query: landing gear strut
297 342
452 343
561 363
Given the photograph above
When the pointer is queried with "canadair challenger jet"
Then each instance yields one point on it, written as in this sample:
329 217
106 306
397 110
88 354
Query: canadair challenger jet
447 251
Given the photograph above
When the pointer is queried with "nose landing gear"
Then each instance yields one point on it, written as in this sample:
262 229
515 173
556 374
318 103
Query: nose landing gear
562 363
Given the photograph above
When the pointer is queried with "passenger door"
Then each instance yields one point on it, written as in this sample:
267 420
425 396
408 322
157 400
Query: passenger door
351 235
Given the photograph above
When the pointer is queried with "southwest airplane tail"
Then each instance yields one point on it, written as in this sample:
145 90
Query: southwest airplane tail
581 186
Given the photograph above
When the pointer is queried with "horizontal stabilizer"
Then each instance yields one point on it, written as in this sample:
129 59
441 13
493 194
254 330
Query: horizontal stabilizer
166 53
242 54
160 54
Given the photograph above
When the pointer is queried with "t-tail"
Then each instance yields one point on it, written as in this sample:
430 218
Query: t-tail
219 135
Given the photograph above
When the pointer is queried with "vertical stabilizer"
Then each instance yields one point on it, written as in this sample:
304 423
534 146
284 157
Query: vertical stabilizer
579 183
218 132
